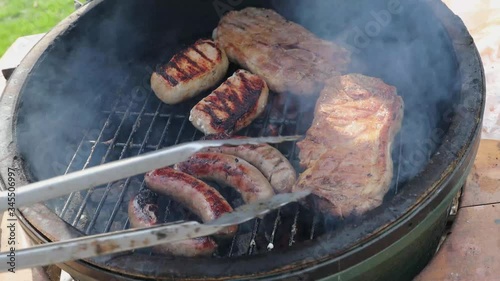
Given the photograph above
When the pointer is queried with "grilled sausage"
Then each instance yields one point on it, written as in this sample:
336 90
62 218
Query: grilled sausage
200 198
143 212
229 170
273 165
190 72
232 106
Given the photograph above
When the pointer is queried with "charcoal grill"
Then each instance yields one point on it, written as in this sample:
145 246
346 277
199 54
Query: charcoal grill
82 98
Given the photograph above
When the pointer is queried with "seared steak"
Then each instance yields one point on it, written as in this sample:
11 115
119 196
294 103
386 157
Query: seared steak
286 55
347 151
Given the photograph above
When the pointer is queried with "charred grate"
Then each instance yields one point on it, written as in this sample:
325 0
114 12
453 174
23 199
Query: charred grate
133 126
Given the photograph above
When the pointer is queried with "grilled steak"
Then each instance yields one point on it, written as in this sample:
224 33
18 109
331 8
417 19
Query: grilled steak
347 151
289 57
189 72
232 106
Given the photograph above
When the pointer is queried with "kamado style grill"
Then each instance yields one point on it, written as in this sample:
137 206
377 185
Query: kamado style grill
82 98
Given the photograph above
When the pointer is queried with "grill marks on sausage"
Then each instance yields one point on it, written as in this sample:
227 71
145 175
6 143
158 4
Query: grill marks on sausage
195 48
269 160
229 170
143 212
171 80
218 205
205 164
186 66
229 104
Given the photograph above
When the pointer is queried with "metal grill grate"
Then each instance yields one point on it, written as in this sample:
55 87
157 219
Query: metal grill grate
132 126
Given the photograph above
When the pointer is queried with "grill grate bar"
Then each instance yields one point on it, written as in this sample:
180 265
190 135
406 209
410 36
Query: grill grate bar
108 186
180 116
400 153
127 181
106 123
156 147
177 139
293 232
103 160
270 245
74 155
233 242
255 229
70 197
252 244
103 214
313 226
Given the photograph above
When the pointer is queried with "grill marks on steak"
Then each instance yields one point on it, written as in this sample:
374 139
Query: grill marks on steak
286 55
347 150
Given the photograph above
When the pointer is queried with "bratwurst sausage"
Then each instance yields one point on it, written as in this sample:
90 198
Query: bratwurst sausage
229 170
269 160
143 212
200 198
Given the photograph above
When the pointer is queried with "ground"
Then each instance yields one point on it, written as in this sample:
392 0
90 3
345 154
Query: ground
26 17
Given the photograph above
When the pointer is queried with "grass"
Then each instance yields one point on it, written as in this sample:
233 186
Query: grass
26 17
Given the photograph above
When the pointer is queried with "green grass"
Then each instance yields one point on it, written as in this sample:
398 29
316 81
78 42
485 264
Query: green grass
26 17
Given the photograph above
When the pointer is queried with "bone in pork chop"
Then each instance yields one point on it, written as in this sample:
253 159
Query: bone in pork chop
347 151
286 55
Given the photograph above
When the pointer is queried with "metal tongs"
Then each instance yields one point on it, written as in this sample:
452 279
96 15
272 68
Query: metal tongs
102 174
108 243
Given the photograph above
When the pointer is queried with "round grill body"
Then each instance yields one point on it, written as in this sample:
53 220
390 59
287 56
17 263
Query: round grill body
82 97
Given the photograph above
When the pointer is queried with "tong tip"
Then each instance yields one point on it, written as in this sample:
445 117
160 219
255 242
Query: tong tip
254 141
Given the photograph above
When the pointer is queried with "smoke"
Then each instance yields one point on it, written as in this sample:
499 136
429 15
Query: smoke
389 39
104 62
396 41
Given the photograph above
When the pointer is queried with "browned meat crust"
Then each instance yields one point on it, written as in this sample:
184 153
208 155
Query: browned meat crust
143 212
229 170
269 160
191 71
288 57
203 200
347 151
232 106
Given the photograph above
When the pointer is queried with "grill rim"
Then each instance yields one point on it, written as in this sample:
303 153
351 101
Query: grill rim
470 68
